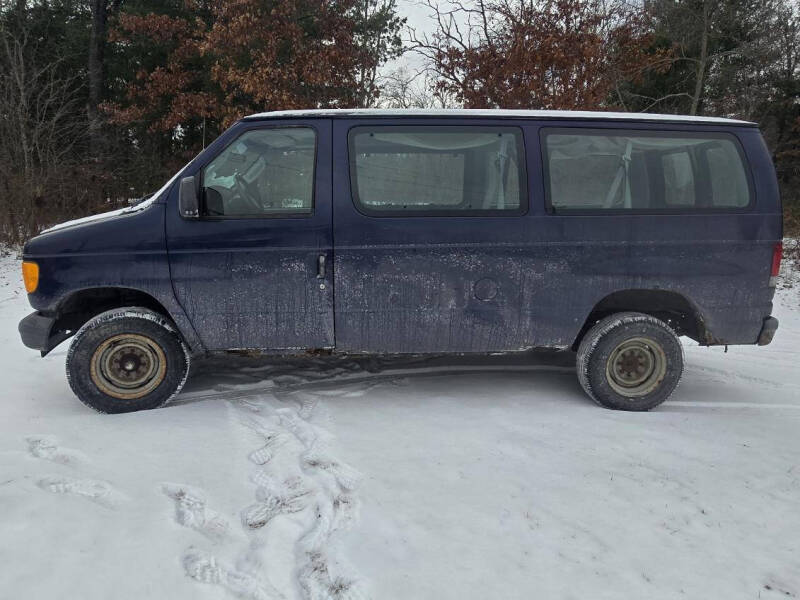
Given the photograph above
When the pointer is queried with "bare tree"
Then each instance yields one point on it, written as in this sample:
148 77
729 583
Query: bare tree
532 54
38 131
403 88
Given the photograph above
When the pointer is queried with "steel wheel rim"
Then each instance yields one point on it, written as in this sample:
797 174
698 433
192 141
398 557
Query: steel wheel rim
636 367
128 366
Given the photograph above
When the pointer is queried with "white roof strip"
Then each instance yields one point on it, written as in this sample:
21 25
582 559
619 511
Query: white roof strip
494 113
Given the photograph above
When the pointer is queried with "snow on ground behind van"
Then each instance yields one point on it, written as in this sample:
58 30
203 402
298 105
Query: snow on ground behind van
403 478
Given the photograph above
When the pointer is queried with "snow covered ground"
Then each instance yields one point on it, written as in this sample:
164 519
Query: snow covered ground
403 479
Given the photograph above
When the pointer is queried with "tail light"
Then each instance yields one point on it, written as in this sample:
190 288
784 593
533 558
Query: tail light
777 253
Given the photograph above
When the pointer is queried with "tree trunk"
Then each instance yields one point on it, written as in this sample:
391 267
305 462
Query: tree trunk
701 65
97 44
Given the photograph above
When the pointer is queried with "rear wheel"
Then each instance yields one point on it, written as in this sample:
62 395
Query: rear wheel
630 361
127 359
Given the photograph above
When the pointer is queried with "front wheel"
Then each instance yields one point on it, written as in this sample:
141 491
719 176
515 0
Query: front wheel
630 361
127 359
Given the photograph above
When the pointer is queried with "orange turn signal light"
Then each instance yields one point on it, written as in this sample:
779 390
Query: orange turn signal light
30 275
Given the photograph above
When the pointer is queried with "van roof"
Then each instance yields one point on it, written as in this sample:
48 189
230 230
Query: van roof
496 113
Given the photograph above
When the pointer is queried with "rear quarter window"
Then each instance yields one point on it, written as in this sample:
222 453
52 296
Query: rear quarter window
638 171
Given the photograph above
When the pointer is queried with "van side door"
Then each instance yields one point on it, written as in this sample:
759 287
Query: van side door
254 270
429 228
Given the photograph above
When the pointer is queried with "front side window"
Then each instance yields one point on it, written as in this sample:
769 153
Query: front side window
444 170
265 172
634 171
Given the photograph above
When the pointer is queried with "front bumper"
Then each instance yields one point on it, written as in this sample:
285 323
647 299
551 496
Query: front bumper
768 330
37 332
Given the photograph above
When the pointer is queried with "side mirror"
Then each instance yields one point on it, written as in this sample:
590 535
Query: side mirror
188 199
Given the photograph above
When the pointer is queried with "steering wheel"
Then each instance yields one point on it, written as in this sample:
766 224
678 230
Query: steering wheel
249 198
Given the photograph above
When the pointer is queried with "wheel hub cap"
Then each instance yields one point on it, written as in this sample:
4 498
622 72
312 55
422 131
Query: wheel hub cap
636 367
128 366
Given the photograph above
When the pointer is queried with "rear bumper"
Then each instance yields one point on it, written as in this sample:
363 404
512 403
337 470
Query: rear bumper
36 331
768 330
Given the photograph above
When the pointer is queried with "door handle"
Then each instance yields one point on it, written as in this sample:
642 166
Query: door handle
321 267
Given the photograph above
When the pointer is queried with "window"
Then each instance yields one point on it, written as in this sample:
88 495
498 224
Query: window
444 170
265 172
678 179
637 171
729 187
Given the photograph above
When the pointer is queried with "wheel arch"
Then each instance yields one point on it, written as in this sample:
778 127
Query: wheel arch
672 307
77 308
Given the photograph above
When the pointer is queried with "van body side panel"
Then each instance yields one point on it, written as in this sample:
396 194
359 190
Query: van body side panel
418 283
720 261
252 282
725 281
428 283
127 251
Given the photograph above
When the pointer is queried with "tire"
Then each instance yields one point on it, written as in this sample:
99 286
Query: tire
630 361
127 359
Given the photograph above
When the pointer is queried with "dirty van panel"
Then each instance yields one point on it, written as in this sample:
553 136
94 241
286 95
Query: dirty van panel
247 272
702 226
424 278
427 246
82 265
427 299
724 284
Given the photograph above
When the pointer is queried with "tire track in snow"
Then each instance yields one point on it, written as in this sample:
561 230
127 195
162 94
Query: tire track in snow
320 384
770 406
727 374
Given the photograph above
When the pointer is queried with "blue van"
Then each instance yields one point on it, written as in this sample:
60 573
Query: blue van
390 232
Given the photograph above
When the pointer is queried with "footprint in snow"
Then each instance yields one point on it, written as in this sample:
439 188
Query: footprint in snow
274 500
346 477
317 580
205 568
97 491
191 511
272 441
335 509
47 448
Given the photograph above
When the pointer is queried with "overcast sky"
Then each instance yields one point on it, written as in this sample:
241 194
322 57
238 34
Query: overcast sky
418 16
